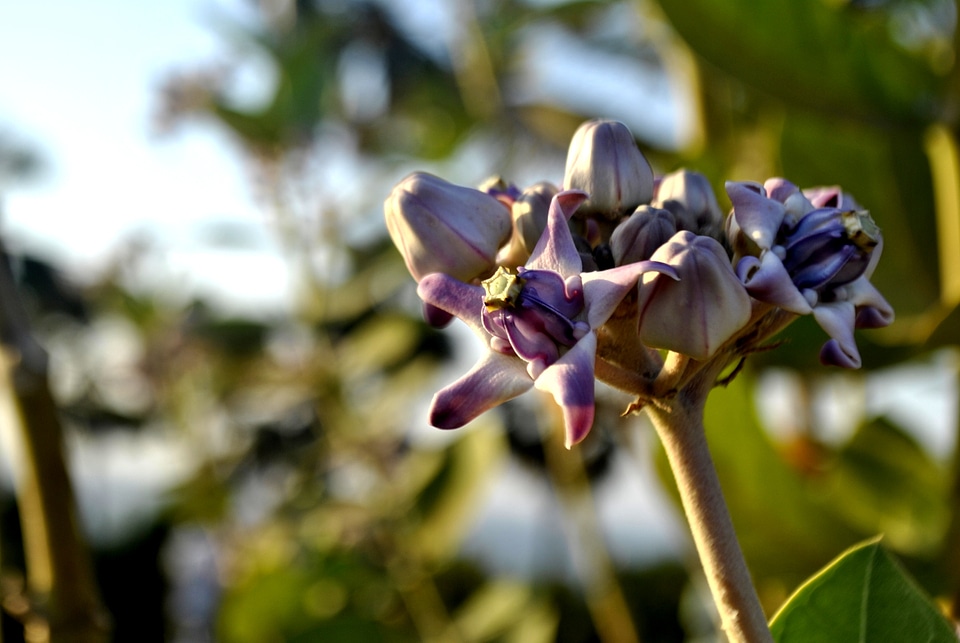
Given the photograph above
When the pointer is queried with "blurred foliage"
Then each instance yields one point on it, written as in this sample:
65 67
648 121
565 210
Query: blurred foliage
328 514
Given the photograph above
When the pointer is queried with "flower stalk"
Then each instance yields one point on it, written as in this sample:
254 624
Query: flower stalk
679 424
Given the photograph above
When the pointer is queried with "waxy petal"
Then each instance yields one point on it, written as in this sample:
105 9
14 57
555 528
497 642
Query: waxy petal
603 291
603 160
758 217
493 380
701 212
556 251
637 238
873 311
530 341
837 319
571 382
454 297
766 279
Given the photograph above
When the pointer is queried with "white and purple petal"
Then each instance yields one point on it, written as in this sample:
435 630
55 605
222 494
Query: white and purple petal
603 291
492 381
454 297
555 250
758 216
571 382
837 319
767 280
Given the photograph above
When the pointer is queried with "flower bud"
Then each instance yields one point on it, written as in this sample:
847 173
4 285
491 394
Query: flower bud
530 213
604 161
700 312
701 212
831 197
441 227
505 193
637 238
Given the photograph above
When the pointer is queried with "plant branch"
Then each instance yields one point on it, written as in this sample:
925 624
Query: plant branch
679 423
59 570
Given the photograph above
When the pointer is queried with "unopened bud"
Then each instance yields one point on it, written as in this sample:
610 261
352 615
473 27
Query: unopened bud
700 213
604 161
638 237
441 227
700 312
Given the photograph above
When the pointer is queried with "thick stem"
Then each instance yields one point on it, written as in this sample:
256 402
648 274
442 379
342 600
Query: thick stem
679 422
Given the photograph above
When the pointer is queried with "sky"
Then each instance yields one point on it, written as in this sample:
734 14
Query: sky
78 84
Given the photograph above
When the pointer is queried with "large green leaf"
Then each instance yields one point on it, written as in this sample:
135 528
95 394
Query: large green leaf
862 596
831 59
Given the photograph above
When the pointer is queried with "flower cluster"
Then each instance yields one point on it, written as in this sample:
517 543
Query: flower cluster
616 275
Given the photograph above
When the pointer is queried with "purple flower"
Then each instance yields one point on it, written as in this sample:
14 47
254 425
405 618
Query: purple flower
810 260
538 325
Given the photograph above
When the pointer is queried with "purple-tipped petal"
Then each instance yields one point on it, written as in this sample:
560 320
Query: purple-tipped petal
436 317
767 280
837 320
779 189
570 380
873 311
832 354
556 251
493 380
759 217
603 291
454 297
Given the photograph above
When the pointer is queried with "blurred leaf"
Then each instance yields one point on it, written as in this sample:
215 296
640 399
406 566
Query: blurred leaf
832 60
887 171
492 609
862 596
379 343
884 482
947 331
447 502
538 624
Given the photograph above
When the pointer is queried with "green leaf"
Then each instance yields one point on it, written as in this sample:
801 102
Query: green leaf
831 59
861 596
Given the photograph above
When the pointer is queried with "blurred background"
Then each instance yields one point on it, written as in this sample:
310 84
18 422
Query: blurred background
191 208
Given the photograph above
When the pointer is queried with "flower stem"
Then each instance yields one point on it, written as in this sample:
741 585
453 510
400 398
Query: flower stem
679 423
